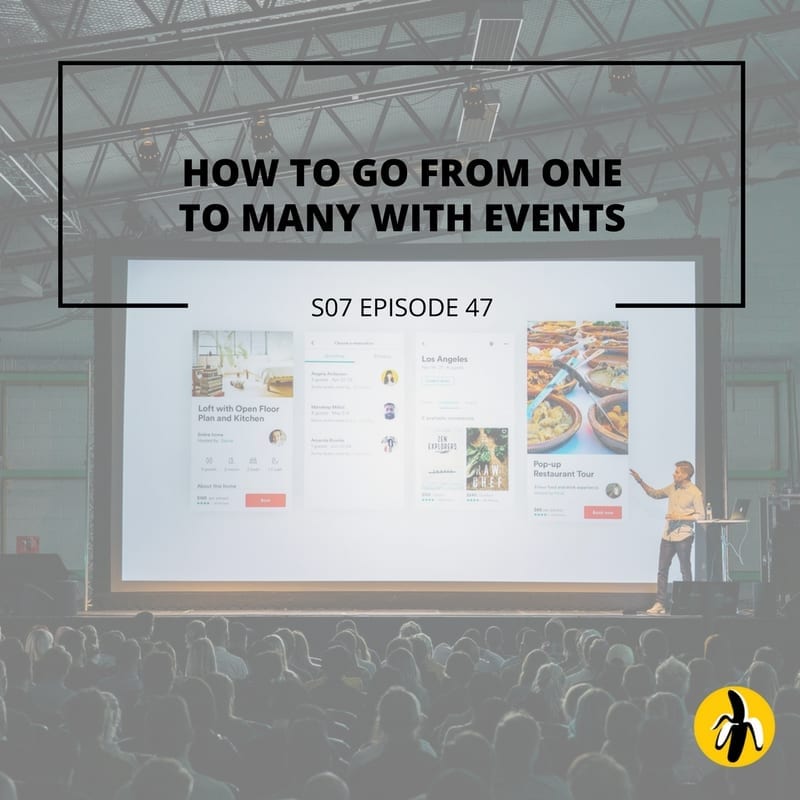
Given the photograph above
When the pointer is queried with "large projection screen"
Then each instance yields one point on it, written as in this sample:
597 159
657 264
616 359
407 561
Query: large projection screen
382 417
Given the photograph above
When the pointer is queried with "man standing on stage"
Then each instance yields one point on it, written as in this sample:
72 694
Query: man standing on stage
684 507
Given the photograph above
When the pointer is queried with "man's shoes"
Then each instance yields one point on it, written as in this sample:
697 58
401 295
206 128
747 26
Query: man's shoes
656 608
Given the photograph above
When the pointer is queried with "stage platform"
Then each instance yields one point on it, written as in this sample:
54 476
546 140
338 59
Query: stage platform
686 633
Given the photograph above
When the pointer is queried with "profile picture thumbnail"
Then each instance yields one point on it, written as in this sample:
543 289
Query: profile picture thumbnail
389 443
389 377
277 436
388 410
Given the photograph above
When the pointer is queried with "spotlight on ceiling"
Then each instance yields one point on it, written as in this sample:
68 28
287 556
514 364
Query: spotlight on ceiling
148 153
474 127
474 102
262 134
622 78
498 32
592 144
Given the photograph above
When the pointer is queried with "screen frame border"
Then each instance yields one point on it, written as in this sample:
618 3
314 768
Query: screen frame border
109 324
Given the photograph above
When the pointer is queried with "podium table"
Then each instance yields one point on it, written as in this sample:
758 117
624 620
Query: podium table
724 539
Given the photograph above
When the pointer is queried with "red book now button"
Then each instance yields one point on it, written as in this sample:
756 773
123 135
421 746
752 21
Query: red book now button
265 500
602 512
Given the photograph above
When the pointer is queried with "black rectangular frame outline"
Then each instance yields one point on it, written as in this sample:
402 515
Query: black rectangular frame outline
705 252
425 63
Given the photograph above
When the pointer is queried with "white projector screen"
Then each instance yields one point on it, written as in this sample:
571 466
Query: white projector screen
290 427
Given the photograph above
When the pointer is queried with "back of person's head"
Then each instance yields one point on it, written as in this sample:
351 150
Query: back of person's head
488 714
638 681
660 744
666 705
762 678
458 784
702 682
346 639
168 729
337 661
585 640
716 649
85 715
516 746
200 702
530 639
493 639
54 664
90 634
571 698
201 658
217 631
554 631
471 751
195 629
653 646
162 779
590 718
8 790
346 625
158 673
325 786
224 693
459 667
422 648
466 644
530 666
109 642
569 642
622 723
266 667
289 644
403 660
142 625
409 628
129 654
301 648
113 717
594 776
237 634
672 675
615 634
598 650
398 714
38 642
620 652
771 655
73 641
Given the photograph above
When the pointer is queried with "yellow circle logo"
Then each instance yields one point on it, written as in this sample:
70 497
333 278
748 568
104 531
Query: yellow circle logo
734 726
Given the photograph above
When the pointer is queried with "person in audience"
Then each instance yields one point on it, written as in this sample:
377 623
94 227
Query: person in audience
210 753
431 673
80 676
397 764
493 639
38 642
762 678
238 730
402 659
516 746
569 650
333 691
201 658
458 784
527 674
653 648
227 663
195 629
570 704
717 650
673 676
639 683
701 683
238 636
302 655
349 641
125 682
596 776
162 779
659 749
623 721
590 726
481 686
109 643
554 630
142 626
49 693
470 751
97 772
169 734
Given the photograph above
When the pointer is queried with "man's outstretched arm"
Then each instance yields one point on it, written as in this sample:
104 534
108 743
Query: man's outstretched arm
656 494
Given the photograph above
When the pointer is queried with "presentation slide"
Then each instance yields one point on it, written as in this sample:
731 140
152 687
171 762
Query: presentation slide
405 421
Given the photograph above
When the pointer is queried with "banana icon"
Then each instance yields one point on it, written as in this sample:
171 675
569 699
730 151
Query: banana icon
734 729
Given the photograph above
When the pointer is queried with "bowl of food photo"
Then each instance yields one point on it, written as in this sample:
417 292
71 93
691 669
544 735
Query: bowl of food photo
541 372
611 428
608 377
553 423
